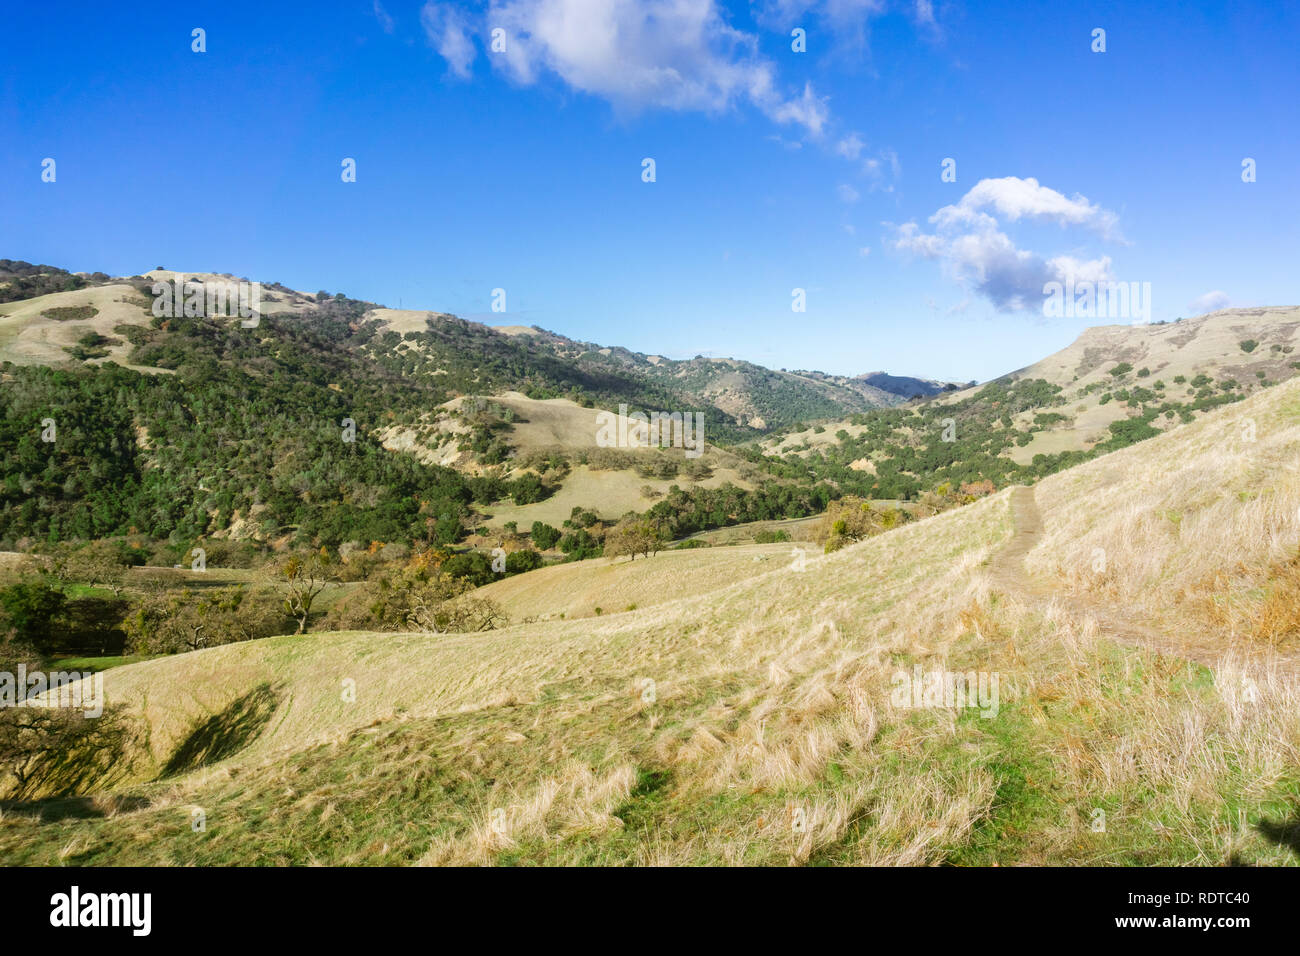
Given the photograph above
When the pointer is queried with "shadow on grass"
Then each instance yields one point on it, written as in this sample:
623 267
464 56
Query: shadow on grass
56 752
54 809
222 735
1285 834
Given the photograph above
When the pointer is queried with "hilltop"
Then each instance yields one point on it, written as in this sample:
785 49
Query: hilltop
45 310
1114 384
195 428
1243 346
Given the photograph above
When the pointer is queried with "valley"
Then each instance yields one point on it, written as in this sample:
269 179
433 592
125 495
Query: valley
468 630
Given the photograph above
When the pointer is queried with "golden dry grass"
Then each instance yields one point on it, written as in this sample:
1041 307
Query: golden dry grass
1199 531
617 584
29 337
750 719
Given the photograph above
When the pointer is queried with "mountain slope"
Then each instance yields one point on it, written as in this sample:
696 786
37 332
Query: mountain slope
759 721
1208 343
1242 346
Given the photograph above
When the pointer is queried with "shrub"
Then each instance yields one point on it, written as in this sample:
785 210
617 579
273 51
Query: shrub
544 536
67 313
418 598
172 622
517 562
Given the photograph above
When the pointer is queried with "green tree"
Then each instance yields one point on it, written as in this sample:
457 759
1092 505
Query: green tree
544 536
33 607
299 580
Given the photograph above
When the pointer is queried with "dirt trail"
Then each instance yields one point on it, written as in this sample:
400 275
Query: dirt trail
1117 623
1009 563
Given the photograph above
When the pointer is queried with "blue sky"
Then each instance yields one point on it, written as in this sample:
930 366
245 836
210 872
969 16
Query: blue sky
775 170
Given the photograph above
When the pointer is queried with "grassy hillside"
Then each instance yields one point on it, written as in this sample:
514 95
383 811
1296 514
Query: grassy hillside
1242 346
770 733
1115 386
620 584
193 428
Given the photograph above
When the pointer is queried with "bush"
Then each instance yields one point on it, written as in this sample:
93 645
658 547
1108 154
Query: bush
171 622
848 520
473 566
544 536
33 607
68 313
528 489
518 562
417 598
580 544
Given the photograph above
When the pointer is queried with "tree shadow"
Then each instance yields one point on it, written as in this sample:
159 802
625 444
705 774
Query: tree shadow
222 735
54 809
1283 833
55 753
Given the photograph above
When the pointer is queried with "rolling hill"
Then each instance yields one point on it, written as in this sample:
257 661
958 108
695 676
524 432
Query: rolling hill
758 718
1161 373
233 432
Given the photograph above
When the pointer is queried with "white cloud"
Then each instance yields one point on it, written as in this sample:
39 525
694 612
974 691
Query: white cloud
1210 302
1092 270
385 21
875 167
807 110
635 54
1013 198
850 147
925 11
449 34
847 193
864 251
846 21
976 252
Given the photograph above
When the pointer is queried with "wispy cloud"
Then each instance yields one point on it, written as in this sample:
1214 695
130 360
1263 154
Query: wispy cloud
635 54
850 147
385 21
448 31
1210 302
846 24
